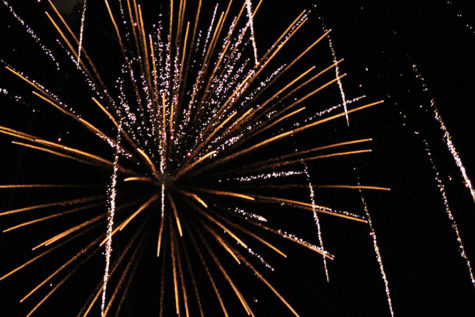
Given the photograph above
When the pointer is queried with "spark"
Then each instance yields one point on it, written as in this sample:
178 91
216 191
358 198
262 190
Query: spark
379 258
445 133
448 211
340 84
110 220
460 16
441 186
246 214
251 27
271 175
337 69
32 34
81 32
315 214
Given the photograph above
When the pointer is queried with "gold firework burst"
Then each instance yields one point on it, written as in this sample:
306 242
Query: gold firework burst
190 105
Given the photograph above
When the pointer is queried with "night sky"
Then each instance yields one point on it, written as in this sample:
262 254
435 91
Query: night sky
380 42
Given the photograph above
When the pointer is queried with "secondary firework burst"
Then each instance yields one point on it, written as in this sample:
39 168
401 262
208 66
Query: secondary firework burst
198 124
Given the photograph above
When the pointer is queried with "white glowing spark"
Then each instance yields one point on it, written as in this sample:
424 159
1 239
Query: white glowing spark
379 258
249 215
337 68
315 213
81 32
445 133
329 110
438 179
251 27
448 211
110 221
340 84
267 176
460 16
32 34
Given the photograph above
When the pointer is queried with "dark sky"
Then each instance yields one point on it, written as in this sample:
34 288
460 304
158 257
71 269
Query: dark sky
66 6
380 41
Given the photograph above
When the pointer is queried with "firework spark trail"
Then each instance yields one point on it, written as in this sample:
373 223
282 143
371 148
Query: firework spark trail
445 132
340 85
337 68
251 27
16 98
81 32
329 110
375 245
110 219
32 34
316 218
468 26
249 215
162 202
274 174
448 211
441 186
315 213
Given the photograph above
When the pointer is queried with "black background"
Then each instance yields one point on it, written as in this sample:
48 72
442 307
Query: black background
380 40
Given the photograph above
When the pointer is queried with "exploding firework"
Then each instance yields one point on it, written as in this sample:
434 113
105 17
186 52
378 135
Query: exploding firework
194 139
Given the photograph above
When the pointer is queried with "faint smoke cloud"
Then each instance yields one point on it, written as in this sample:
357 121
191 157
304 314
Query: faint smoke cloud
66 6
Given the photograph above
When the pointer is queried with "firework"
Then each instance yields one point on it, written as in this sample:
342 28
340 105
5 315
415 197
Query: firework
197 123
437 175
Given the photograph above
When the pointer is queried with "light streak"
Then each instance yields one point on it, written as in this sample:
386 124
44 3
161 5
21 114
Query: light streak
448 211
251 27
315 213
445 133
337 70
81 31
110 221
379 258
